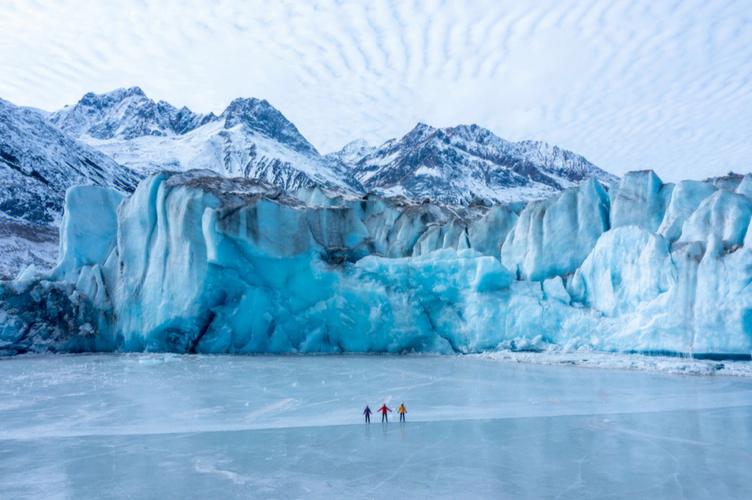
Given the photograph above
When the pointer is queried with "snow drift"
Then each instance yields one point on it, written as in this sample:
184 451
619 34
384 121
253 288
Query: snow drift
192 262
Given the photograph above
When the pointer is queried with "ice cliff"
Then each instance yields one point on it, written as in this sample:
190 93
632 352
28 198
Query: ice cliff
192 262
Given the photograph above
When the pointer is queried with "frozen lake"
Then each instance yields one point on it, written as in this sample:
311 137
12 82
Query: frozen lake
166 426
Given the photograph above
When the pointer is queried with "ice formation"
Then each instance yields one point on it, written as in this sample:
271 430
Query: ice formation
192 262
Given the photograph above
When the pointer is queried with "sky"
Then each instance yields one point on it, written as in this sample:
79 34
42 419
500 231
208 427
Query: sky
633 84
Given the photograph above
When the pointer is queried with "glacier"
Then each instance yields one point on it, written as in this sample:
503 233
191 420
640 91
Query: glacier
193 262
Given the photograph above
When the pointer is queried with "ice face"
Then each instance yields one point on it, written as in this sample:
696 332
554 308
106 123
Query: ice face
745 186
640 200
89 228
685 198
721 218
192 262
627 267
554 236
487 234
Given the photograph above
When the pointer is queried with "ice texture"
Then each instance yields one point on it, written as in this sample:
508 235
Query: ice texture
174 426
554 236
89 228
640 199
685 198
627 267
193 262
721 218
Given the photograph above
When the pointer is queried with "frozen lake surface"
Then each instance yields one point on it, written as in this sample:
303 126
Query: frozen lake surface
167 426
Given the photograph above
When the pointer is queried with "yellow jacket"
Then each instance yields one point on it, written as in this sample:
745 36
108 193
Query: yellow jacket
402 409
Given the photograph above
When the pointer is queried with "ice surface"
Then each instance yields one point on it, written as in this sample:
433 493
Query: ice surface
173 426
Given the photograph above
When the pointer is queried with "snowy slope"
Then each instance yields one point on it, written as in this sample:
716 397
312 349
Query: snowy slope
38 163
353 152
468 164
249 139
125 114
23 244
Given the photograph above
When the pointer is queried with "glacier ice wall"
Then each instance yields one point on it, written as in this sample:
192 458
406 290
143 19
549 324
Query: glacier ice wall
553 236
192 262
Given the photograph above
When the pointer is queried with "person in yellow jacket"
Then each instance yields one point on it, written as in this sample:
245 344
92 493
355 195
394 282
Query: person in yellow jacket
402 411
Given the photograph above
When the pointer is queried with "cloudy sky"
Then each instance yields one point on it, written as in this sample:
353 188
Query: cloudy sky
629 84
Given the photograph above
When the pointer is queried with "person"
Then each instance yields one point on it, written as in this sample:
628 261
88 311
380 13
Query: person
402 411
383 410
367 412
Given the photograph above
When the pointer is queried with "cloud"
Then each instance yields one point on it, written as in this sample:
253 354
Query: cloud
630 85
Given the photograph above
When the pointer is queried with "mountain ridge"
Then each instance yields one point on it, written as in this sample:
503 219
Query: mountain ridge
250 138
468 164
460 165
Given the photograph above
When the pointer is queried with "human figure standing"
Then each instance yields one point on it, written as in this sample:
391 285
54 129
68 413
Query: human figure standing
383 410
367 412
402 411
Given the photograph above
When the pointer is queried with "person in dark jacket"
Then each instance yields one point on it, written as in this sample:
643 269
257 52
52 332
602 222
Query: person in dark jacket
367 412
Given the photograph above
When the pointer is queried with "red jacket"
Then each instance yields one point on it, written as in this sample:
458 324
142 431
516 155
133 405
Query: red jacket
384 409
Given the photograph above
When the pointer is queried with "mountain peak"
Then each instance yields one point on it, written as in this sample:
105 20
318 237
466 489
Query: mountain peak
262 117
467 163
419 133
355 146
133 91
421 128
111 97
474 133
243 107
352 152
125 113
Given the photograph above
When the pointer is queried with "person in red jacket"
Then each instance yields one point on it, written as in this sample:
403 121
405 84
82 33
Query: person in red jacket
383 410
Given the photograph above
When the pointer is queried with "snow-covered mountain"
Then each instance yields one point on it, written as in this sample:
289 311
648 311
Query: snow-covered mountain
249 139
125 114
459 165
468 164
353 151
114 139
38 162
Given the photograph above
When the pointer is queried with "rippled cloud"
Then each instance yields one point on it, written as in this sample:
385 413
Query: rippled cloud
629 84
